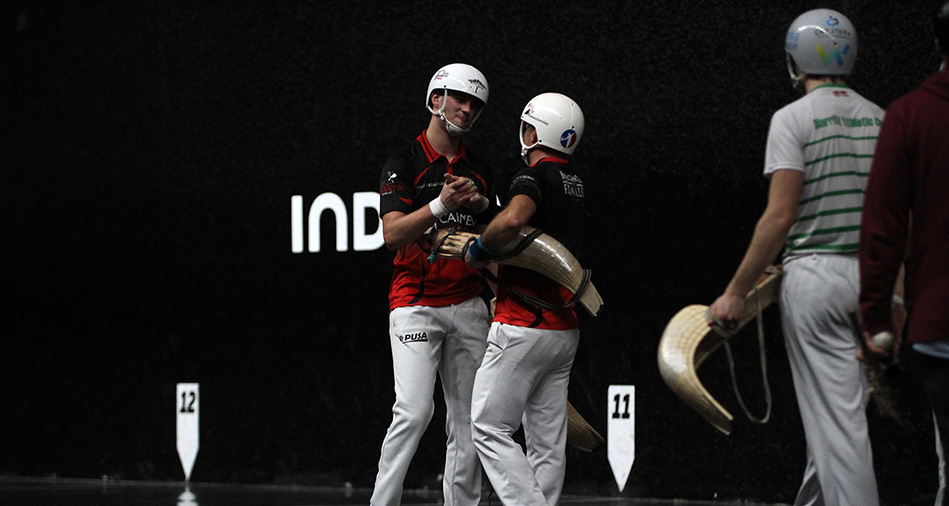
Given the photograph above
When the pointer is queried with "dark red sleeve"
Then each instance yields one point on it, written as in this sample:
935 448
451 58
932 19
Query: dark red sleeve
884 228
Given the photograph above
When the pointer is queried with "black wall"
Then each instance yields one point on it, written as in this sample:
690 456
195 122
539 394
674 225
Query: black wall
152 150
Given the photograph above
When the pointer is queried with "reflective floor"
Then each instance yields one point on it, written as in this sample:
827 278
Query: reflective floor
73 492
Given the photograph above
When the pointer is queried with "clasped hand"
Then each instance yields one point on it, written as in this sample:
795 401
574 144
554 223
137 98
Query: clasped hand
459 191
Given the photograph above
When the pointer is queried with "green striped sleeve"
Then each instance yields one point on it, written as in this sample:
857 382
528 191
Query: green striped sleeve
824 231
844 210
826 248
838 174
838 155
831 137
830 194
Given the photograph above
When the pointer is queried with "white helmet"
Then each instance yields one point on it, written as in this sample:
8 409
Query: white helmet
558 121
457 77
821 42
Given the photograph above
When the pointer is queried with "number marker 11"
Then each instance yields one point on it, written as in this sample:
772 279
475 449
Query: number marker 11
621 431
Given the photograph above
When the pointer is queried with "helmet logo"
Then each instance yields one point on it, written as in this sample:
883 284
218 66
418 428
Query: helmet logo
568 138
529 112
441 73
790 42
837 55
477 84
832 21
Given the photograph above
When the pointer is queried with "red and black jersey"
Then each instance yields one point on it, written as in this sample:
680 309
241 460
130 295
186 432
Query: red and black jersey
558 193
411 178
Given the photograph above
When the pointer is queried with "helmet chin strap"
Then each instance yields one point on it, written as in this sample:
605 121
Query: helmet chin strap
525 149
797 77
453 129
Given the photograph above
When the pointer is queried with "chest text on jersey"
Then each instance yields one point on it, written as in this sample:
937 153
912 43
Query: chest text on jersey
455 219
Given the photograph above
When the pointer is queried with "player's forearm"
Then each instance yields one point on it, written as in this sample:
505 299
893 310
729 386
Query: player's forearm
501 231
397 231
767 242
506 226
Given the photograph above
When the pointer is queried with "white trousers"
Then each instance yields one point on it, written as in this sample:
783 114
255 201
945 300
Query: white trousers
941 491
524 379
829 382
448 341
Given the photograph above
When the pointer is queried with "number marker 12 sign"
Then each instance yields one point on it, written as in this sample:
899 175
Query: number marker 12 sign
186 413
621 431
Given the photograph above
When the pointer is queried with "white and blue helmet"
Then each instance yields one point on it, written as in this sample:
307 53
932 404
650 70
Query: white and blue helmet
558 121
821 42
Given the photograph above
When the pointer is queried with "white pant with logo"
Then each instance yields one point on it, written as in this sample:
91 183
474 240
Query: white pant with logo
448 341
829 382
524 379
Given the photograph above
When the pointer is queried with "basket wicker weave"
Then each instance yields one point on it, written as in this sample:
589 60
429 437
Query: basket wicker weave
688 340
580 434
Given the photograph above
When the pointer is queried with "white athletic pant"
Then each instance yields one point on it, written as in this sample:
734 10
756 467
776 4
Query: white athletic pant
524 379
829 382
941 492
448 341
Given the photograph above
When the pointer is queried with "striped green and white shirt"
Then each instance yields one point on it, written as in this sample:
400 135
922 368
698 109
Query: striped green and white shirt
829 135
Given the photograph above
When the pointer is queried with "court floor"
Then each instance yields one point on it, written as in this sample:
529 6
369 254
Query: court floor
74 492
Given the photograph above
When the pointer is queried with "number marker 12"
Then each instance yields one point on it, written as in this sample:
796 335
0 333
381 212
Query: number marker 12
186 413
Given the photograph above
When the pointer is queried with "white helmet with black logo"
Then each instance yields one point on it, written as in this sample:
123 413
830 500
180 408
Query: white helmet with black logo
820 42
558 121
457 77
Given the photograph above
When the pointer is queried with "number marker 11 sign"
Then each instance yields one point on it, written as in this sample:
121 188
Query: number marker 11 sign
186 413
621 431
